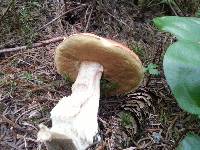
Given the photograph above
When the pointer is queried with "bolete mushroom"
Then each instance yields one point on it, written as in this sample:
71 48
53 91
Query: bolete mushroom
85 58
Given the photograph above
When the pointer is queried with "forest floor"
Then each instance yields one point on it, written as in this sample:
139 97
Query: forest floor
148 118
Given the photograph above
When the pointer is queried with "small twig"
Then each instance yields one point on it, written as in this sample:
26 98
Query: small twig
86 13
25 142
109 144
103 122
12 41
152 129
178 9
7 9
4 119
11 145
34 45
143 139
173 9
170 126
117 19
59 17
29 110
88 21
1 137
65 3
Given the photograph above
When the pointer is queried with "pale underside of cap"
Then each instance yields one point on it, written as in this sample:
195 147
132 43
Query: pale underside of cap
121 66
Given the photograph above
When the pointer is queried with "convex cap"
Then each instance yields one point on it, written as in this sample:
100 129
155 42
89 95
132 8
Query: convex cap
122 67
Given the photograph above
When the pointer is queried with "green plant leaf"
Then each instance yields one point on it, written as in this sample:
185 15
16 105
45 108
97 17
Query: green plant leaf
181 61
182 71
107 86
190 142
152 66
184 28
154 72
152 69
182 67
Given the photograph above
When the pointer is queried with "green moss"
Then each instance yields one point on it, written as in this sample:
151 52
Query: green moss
137 49
27 20
2 107
152 69
35 120
1 74
127 120
107 86
68 79
28 76
1 78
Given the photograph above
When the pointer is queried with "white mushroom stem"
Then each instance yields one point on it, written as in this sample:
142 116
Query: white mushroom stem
75 116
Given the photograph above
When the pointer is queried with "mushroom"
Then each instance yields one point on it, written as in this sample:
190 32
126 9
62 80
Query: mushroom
86 58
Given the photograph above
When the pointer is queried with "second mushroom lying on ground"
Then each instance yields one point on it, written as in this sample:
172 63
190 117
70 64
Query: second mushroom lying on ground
86 58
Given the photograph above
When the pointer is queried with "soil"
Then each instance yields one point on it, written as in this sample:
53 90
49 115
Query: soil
148 118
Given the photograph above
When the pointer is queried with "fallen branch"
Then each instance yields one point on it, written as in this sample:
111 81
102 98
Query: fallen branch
34 45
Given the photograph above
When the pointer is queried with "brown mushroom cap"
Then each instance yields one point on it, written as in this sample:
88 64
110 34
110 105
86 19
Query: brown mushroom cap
122 67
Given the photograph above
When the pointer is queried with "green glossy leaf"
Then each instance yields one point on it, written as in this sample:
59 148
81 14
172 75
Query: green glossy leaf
190 142
182 71
184 28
